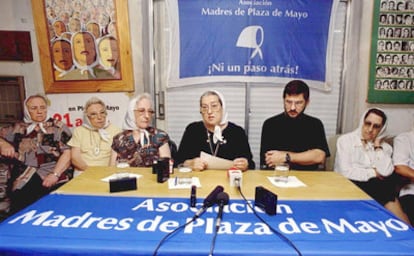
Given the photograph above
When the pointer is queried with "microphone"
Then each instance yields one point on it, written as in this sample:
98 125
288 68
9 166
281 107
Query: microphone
210 200
222 200
193 196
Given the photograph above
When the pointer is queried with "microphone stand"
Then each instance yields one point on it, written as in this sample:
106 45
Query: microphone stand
222 199
209 201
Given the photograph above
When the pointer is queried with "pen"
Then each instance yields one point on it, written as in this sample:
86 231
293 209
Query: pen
175 181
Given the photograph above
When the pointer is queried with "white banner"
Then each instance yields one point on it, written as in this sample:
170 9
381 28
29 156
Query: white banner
69 107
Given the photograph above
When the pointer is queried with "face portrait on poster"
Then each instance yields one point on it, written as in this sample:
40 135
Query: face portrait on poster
88 42
392 53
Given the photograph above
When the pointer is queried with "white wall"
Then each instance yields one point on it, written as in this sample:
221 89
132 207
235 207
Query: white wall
17 15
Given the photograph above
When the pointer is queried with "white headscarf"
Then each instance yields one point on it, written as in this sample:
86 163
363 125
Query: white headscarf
217 136
28 119
129 120
87 123
62 72
110 69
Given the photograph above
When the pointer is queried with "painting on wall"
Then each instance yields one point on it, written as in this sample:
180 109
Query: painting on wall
392 53
15 46
84 45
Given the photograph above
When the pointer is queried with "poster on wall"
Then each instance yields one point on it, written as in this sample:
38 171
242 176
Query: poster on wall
392 53
268 41
69 108
84 45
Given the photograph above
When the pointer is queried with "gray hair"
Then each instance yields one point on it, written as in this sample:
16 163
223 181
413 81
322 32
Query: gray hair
142 96
93 100
209 93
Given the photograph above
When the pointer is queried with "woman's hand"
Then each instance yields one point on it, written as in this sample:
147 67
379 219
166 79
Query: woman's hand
197 164
241 163
50 180
6 149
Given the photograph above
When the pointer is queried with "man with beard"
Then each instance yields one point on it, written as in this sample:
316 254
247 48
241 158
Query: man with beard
293 136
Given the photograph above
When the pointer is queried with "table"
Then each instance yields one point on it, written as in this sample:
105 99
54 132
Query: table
83 218
321 185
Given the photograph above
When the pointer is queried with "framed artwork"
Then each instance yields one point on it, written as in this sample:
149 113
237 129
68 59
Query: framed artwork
15 46
84 45
392 53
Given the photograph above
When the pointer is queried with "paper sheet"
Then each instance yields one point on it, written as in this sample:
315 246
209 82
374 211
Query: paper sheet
293 182
216 163
121 175
172 183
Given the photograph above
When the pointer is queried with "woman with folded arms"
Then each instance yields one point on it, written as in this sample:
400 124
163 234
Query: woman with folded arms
39 153
365 158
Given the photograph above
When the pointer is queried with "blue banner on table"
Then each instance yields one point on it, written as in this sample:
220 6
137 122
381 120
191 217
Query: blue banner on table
245 41
98 225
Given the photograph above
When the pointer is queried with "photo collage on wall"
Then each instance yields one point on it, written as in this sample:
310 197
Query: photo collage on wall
395 46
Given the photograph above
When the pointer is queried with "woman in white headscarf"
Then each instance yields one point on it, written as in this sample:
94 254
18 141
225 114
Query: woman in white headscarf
91 142
214 135
42 156
140 144
365 158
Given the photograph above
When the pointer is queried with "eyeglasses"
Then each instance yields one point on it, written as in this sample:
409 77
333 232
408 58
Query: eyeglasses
35 108
96 115
375 126
215 107
296 103
141 111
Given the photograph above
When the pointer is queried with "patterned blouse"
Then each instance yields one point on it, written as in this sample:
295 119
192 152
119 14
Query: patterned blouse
42 150
137 155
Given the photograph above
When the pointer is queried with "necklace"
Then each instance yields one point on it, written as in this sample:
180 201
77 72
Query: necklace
211 144
96 145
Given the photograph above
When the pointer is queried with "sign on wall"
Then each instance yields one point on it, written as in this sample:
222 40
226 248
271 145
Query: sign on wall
392 53
69 108
250 41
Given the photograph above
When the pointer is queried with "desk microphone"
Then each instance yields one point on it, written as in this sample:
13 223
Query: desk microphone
222 200
210 200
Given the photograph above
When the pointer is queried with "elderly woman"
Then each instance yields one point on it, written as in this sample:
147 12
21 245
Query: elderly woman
365 158
42 156
140 144
91 143
214 135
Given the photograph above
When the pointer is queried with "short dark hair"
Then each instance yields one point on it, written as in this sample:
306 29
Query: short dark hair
296 87
377 112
